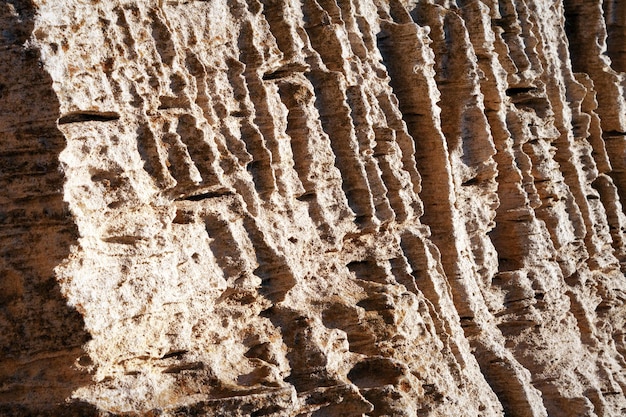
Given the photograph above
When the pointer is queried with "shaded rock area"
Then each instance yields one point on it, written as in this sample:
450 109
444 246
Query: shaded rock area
313 208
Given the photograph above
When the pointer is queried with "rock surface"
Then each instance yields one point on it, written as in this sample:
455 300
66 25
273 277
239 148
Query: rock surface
315 208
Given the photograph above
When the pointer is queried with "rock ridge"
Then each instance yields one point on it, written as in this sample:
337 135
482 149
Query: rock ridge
314 208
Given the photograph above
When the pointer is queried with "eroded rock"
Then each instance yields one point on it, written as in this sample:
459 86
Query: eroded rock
317 208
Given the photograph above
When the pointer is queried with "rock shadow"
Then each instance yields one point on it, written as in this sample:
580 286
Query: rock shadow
41 337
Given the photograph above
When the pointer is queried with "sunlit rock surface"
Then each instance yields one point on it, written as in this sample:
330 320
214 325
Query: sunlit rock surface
315 208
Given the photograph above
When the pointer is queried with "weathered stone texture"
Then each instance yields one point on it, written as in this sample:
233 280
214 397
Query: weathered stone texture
313 208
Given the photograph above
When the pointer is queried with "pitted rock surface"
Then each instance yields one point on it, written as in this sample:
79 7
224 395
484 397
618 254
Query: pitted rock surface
313 208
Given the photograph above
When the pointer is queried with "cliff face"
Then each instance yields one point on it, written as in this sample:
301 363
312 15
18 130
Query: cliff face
316 208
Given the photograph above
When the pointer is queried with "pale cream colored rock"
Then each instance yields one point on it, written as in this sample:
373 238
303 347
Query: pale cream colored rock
316 208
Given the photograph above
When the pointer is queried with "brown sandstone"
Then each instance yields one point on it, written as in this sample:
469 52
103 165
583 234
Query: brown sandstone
315 208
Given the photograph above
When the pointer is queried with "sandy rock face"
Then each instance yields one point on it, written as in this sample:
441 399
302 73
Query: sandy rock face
315 208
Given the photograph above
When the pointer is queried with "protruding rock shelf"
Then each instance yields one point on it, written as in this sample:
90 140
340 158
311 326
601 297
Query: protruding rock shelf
313 208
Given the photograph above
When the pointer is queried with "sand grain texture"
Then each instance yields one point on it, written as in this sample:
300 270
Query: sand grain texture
312 208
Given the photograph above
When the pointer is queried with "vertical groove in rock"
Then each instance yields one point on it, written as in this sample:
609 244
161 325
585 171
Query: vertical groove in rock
327 207
615 21
336 121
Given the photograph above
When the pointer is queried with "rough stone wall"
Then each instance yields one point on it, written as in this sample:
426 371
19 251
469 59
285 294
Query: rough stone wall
315 208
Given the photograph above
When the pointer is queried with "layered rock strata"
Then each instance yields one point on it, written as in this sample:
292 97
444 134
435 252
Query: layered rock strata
315 208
